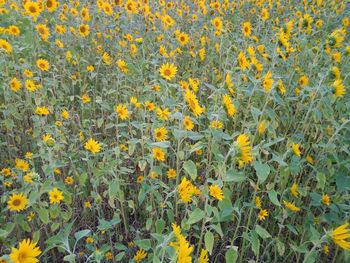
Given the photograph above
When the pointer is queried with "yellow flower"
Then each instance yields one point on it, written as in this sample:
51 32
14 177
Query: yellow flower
158 154
341 236
188 123
84 30
89 240
140 255
15 85
168 71
51 5
246 29
69 180
21 165
294 190
193 102
109 255
267 81
85 98
230 107
183 38
257 202
122 111
17 202
181 246
161 134
309 159
263 214
186 190
303 81
92 146
203 258
216 124
87 204
32 9
245 148
217 23
171 173
291 206
44 31
65 115
339 88
163 114
27 252
43 111
122 66
5 45
216 192
55 196
325 199
296 149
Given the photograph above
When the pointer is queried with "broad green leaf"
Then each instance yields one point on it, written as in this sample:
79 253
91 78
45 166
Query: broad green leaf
231 255
273 197
262 232
191 168
209 241
195 216
83 233
262 171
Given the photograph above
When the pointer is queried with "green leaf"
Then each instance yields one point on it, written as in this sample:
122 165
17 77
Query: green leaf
233 176
262 171
144 244
160 224
231 255
191 168
83 233
209 241
119 256
321 180
273 197
262 232
195 216
44 215
254 240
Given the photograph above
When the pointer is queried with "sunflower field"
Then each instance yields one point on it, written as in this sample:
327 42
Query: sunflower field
174 131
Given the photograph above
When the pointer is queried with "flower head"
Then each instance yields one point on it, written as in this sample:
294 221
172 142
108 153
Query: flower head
27 252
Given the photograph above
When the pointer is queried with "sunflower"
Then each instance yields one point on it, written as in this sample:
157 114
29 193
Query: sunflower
92 146
158 154
15 85
5 45
85 98
296 149
303 81
163 114
168 71
246 29
27 252
263 214
245 148
326 200
171 173
161 134
30 85
216 192
43 64
84 30
188 123
122 111
51 5
43 111
32 9
55 196
341 236
339 88
140 255
107 8
183 38
17 202
291 206
69 180
43 31
217 23
21 165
